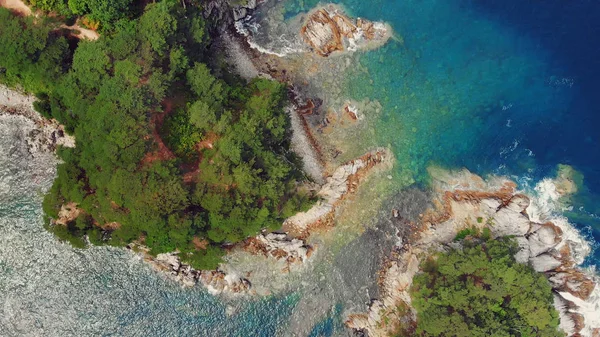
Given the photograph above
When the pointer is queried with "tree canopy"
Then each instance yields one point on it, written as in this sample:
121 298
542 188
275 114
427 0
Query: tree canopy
168 154
107 13
482 291
30 56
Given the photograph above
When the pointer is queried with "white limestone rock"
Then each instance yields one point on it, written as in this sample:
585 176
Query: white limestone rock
544 263
518 203
542 240
509 222
522 256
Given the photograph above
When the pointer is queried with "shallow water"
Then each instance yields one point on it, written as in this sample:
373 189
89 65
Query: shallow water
51 289
497 87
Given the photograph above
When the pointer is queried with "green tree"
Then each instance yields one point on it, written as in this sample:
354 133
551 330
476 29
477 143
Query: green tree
30 56
205 85
107 12
158 25
202 115
482 291
226 172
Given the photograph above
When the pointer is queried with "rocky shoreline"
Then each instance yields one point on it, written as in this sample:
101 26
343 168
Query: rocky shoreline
272 246
462 198
47 135
466 201
344 180
289 250
285 251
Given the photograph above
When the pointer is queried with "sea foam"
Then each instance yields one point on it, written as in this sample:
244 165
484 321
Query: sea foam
547 205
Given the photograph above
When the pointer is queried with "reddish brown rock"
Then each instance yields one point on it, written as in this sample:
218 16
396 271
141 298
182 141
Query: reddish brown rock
573 281
327 30
68 212
322 33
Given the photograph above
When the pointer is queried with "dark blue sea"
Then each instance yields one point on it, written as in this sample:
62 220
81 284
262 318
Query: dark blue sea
508 87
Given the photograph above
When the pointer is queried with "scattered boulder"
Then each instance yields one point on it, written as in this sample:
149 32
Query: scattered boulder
544 263
217 282
279 246
509 222
47 135
543 239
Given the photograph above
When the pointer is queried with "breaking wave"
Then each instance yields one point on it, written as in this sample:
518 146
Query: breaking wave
548 205
272 37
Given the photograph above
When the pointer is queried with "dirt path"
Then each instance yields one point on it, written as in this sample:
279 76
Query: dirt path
20 8
16 6
162 152
84 33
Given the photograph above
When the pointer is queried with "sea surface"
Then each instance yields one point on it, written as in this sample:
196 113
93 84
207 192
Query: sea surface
504 87
508 87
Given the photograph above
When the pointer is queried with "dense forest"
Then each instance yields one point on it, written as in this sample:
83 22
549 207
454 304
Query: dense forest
170 152
481 290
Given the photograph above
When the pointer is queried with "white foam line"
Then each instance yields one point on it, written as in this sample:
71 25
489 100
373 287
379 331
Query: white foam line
546 206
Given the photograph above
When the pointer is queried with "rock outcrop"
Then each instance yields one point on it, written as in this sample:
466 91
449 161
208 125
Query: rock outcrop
215 281
224 13
279 246
342 182
224 280
328 30
68 212
497 206
47 135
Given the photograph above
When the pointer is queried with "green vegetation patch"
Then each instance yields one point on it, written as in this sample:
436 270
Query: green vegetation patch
482 291
168 153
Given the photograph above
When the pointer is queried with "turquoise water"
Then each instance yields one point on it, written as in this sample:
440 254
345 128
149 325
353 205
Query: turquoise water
504 87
